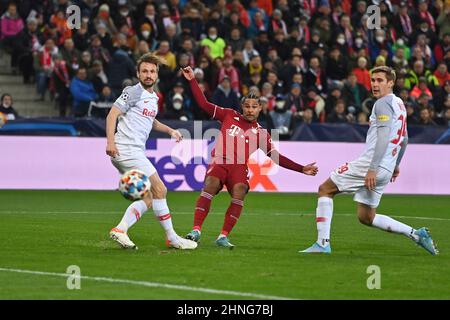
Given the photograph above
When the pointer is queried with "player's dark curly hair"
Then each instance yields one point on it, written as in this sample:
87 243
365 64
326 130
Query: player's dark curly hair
250 95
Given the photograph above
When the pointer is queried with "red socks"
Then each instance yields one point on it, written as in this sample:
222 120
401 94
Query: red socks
201 209
232 216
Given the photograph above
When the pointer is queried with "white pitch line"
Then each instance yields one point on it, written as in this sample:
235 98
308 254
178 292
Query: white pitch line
151 284
192 213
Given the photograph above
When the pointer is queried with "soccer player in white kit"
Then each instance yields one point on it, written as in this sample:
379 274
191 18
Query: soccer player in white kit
135 111
367 176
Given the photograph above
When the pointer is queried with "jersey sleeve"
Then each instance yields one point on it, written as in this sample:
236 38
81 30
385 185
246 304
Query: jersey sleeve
214 111
123 102
220 113
384 113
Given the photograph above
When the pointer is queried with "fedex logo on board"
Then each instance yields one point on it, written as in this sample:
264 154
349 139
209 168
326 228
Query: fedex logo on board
174 172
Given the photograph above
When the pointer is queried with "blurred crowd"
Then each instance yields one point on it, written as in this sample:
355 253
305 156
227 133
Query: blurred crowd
308 59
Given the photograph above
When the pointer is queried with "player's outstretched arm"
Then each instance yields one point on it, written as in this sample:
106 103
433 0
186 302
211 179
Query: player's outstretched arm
310 169
111 121
161 127
208 107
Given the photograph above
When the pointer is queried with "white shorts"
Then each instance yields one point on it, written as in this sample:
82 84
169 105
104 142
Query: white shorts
132 158
349 178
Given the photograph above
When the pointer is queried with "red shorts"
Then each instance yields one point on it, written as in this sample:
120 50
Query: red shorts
229 174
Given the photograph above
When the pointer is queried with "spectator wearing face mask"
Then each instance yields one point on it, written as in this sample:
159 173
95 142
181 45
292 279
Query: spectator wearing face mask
402 43
146 34
358 44
215 43
378 42
177 108
281 119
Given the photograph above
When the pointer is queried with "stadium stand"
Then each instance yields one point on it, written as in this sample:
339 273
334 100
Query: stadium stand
311 54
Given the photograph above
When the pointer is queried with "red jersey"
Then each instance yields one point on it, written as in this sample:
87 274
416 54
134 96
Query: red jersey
238 138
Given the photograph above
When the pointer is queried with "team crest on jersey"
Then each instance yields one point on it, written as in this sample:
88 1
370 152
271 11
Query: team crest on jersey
234 130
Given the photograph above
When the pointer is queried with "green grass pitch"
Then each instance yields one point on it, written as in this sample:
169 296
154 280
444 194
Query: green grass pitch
46 231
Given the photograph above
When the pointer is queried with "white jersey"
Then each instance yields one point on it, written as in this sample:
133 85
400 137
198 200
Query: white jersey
139 108
387 111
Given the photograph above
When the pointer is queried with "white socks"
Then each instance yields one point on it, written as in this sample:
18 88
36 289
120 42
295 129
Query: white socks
133 213
388 224
137 209
324 213
162 212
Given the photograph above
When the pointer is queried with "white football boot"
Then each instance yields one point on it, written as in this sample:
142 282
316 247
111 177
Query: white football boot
181 243
122 238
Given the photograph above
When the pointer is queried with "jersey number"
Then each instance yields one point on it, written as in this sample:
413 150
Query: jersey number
401 132
343 168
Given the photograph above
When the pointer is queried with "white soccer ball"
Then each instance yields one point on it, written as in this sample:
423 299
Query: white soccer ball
134 184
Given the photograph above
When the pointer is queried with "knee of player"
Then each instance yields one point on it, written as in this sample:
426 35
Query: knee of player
239 191
365 220
323 190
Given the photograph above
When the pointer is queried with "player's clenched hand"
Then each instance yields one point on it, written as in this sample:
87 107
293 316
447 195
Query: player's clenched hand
111 150
395 174
371 180
310 169
176 135
188 73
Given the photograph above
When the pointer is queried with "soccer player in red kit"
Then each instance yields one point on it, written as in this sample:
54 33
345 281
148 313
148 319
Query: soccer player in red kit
240 136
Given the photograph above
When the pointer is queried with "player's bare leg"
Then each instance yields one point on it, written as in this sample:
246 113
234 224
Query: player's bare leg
133 214
211 187
422 237
162 213
238 193
324 215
